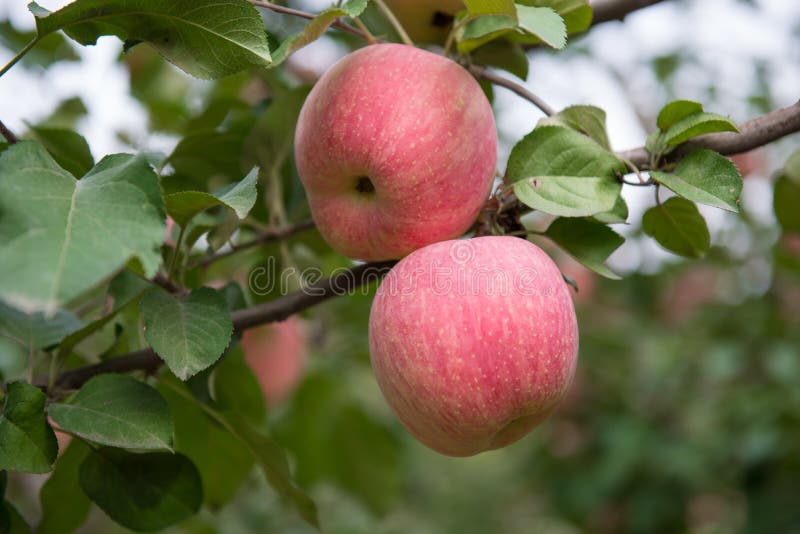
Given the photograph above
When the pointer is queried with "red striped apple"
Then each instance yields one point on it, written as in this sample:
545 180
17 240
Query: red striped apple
396 148
426 21
473 342
276 353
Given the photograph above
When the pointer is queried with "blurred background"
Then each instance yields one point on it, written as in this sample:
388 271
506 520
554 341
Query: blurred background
685 413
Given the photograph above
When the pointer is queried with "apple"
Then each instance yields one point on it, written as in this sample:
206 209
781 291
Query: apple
473 342
425 21
276 353
396 148
750 163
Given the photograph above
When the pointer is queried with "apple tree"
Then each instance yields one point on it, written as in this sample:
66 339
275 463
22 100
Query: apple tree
189 336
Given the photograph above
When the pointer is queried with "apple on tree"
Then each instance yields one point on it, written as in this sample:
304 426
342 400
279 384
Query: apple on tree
396 148
276 353
473 342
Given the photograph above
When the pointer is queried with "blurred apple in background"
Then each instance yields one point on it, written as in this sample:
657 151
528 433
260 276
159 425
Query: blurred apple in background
473 342
426 21
396 148
750 163
63 438
276 353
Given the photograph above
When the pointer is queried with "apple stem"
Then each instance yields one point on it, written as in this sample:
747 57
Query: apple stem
394 22
371 39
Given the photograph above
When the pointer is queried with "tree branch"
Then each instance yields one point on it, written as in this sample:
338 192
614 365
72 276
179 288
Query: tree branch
752 134
486 74
341 283
263 239
610 10
8 134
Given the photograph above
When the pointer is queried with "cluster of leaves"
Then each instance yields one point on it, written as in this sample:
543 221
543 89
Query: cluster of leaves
90 271
565 168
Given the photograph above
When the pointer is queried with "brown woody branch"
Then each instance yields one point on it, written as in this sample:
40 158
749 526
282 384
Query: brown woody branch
8 134
263 239
486 74
752 134
610 10
342 283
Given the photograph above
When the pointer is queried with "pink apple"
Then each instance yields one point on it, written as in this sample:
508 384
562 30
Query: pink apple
473 342
750 163
426 21
276 353
397 149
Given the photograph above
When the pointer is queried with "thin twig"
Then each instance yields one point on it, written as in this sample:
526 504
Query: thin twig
486 74
8 134
338 24
21 53
263 239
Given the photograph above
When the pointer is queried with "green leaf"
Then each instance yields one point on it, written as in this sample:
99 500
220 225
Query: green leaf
577 14
36 331
706 177
205 38
568 196
563 172
698 124
504 55
483 29
272 460
223 461
267 452
235 388
142 492
544 23
315 29
337 441
124 289
617 214
678 227
64 507
240 198
560 151
677 111
208 154
118 411
491 7
188 333
27 443
11 522
61 236
786 198
68 148
588 120
68 112
588 242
